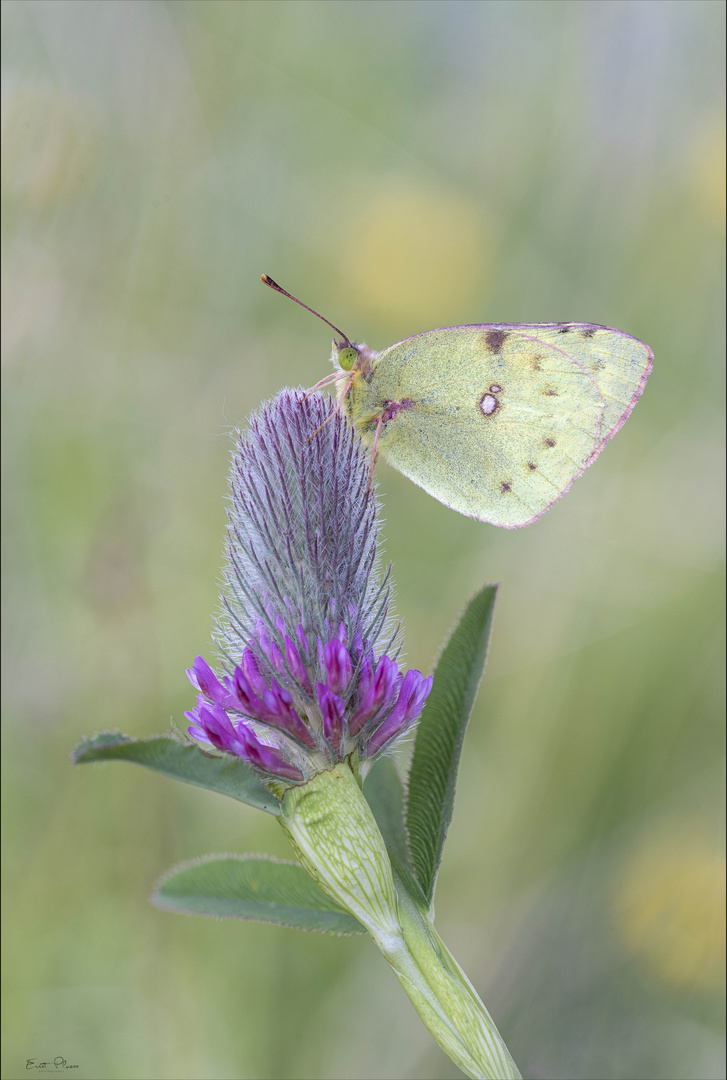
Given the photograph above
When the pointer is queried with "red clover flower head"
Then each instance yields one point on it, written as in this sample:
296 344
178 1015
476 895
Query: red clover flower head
308 652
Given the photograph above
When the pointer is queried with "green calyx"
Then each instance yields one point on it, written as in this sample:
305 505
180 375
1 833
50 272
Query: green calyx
335 836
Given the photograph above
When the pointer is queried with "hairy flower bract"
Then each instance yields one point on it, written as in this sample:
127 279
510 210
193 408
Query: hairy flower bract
308 671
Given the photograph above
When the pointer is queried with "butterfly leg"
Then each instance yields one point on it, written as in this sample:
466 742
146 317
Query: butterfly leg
339 402
373 448
323 382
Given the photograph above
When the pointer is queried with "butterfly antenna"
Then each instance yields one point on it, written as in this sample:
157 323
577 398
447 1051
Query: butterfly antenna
267 280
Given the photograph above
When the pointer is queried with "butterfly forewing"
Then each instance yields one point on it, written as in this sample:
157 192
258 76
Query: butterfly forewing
619 363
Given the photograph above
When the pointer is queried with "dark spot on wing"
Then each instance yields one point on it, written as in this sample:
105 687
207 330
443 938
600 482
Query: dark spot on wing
565 329
549 442
550 393
505 486
588 331
495 340
532 466
535 363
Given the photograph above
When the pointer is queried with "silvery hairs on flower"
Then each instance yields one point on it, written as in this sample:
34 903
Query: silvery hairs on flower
308 651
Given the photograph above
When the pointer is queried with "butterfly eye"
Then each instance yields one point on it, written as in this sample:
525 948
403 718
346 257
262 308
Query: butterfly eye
347 358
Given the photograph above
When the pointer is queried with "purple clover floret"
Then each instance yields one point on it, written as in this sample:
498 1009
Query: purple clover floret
308 653
339 667
211 725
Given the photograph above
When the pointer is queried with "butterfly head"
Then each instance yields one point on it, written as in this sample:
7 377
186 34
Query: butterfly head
349 356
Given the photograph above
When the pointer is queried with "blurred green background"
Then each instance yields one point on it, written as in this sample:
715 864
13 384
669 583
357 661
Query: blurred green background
400 166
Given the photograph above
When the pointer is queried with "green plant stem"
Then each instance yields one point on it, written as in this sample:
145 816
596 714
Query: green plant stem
336 838
429 972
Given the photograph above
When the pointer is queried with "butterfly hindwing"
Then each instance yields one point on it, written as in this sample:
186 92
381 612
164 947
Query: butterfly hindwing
497 421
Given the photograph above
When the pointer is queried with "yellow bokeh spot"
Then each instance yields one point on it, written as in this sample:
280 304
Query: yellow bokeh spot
418 255
709 174
670 906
